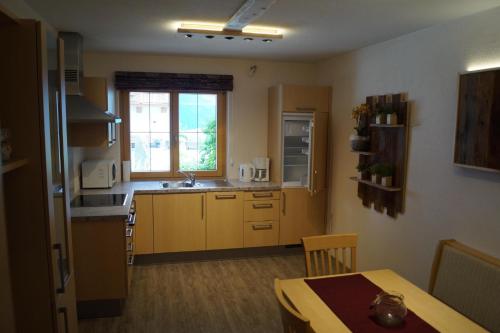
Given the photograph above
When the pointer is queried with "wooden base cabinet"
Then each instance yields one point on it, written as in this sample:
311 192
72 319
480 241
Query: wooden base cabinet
301 215
224 220
179 222
144 227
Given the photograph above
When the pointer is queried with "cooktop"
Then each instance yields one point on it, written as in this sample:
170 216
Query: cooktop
99 200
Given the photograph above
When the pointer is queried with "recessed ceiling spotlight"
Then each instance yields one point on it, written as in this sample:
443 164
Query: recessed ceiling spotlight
229 37
209 36
188 35
248 39
267 40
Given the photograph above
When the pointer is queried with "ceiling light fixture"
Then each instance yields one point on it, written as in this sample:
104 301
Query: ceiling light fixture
214 29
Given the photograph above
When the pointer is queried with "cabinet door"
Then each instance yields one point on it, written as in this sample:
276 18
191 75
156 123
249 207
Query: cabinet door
320 153
305 98
143 230
224 220
301 215
179 222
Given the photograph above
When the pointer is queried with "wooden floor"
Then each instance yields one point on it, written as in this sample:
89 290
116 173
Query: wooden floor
211 296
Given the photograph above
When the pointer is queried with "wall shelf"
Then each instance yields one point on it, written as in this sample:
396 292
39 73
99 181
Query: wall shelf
368 153
390 144
388 126
13 165
372 184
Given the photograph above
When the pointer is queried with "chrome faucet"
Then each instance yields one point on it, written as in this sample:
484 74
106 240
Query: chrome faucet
190 176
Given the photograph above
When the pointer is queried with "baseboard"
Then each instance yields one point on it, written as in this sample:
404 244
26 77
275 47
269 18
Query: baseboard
148 259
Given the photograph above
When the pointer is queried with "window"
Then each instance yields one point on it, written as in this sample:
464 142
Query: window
164 132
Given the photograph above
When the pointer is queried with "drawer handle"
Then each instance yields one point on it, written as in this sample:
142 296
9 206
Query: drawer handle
130 260
262 226
305 109
64 312
129 231
131 219
130 247
262 195
262 206
225 196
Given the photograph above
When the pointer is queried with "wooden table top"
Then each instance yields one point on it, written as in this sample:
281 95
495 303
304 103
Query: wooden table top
323 320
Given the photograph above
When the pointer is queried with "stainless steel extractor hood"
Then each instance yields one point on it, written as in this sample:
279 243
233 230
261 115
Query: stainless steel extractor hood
79 109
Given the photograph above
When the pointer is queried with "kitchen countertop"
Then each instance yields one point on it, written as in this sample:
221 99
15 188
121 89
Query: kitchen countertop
155 187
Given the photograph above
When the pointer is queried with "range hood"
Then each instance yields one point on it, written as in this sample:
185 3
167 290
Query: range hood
79 109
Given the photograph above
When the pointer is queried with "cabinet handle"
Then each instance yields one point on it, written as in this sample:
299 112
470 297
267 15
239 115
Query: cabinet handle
131 219
129 231
305 108
64 312
202 208
225 196
262 226
262 206
130 260
130 247
283 210
58 248
262 195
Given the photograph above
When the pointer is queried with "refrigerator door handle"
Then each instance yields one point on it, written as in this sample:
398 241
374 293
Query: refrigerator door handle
311 158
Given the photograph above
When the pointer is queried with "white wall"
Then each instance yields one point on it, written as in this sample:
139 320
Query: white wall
442 201
247 105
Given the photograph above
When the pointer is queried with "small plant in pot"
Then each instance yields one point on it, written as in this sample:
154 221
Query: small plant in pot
392 117
363 171
360 141
386 173
374 171
382 113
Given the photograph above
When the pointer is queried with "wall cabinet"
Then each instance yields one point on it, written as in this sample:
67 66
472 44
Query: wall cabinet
144 228
297 98
224 220
301 215
95 89
179 222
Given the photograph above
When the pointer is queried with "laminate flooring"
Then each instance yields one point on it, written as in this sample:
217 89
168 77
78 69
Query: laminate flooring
235 295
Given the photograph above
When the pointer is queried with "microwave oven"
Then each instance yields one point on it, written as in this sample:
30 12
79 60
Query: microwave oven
98 174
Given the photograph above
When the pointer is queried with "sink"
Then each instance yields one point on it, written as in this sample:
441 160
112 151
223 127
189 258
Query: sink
176 184
198 184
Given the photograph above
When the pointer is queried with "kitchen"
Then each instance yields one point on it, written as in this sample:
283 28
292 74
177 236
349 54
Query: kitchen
174 178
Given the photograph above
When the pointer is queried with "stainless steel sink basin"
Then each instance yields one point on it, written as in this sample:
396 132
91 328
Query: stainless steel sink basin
198 184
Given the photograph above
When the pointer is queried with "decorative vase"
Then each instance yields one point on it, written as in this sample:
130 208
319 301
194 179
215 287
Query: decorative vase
380 119
389 309
376 179
392 119
359 143
387 181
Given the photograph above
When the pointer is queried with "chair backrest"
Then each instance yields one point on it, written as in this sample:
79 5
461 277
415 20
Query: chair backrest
293 321
321 251
468 281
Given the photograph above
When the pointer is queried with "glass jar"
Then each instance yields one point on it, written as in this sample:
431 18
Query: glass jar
390 309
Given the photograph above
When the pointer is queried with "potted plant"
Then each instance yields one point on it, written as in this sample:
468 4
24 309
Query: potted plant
360 141
381 114
374 171
391 117
363 171
386 173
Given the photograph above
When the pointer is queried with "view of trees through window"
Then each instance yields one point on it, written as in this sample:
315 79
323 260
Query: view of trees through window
150 132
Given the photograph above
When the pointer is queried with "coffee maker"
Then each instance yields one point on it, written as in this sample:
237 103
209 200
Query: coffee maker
261 169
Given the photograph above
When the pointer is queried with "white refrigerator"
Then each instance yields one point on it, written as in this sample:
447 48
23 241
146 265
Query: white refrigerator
296 149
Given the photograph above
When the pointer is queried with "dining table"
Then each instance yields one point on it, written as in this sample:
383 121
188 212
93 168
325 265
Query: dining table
323 320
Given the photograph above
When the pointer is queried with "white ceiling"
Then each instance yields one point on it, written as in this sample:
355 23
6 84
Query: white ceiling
314 29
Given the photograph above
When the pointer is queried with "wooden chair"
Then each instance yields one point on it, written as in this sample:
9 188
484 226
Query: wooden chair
329 248
293 321
468 281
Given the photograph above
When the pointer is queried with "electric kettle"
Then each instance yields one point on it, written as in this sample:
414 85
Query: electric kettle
247 172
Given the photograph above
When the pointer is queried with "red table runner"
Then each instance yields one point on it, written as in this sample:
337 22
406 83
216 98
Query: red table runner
349 297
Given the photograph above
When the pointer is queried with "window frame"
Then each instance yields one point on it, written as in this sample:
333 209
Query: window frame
124 107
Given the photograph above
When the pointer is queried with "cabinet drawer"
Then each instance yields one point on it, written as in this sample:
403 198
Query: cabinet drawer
264 233
262 195
261 210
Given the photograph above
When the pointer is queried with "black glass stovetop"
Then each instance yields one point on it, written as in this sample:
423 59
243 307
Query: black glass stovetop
99 200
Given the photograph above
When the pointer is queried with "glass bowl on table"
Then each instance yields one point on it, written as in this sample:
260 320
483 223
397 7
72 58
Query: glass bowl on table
389 308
